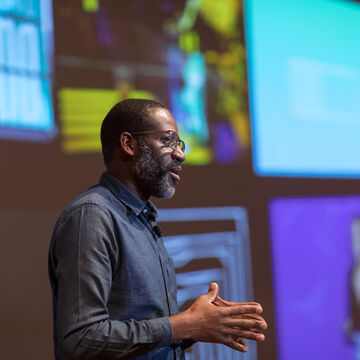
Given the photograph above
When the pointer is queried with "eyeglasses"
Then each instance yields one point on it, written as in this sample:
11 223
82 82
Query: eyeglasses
172 139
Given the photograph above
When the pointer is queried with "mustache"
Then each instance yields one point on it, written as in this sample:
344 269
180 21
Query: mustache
174 164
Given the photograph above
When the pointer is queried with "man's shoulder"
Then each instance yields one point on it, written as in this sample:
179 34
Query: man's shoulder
98 197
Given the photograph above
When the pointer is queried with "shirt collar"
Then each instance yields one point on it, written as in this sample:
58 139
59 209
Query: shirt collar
127 197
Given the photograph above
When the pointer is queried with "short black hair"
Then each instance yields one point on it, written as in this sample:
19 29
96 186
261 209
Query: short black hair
130 115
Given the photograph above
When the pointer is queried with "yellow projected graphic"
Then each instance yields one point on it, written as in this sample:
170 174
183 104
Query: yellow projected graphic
221 15
90 5
82 112
195 154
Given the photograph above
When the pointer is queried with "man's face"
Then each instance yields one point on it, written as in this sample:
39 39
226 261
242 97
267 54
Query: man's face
157 166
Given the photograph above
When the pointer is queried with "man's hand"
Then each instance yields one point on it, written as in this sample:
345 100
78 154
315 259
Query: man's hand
246 331
211 319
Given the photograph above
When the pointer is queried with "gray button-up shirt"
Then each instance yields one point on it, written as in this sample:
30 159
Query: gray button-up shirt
113 282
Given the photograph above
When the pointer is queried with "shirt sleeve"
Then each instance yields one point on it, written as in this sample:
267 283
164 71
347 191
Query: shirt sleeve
83 258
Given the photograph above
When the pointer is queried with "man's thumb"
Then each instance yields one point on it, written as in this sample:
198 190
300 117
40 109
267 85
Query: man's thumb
213 291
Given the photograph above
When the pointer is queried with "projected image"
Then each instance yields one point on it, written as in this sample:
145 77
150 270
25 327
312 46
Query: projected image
353 323
201 257
304 79
26 49
188 54
315 254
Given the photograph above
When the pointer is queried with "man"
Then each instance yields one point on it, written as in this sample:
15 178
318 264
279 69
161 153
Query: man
114 290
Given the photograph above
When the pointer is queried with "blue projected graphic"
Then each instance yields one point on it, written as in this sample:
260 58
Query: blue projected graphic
304 79
188 100
188 103
25 84
227 255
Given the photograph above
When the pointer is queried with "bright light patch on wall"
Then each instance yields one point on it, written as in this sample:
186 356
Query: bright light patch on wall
26 48
304 79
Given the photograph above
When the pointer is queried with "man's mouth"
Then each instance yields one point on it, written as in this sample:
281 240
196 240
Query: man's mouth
175 172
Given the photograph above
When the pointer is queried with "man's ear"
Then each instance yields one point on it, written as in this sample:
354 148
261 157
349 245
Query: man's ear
128 144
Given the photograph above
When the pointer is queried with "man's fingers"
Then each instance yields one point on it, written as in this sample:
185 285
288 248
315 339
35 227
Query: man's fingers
241 341
252 335
213 292
251 317
238 344
246 334
221 302
247 323
242 309
255 317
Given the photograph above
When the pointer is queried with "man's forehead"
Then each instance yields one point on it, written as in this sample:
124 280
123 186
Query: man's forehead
162 119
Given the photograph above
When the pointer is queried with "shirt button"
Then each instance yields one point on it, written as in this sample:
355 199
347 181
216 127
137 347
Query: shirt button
145 211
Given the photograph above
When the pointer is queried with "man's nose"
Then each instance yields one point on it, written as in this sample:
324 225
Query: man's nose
178 154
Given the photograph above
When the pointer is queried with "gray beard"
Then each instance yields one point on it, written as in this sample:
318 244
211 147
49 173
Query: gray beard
153 175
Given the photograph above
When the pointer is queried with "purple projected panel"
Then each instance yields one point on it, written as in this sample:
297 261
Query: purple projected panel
316 275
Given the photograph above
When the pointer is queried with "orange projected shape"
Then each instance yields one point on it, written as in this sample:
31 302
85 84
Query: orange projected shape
240 123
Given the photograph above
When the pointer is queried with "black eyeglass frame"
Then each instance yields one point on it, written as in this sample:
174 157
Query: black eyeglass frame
174 144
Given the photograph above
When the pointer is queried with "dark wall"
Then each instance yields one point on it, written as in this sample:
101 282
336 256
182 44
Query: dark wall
39 179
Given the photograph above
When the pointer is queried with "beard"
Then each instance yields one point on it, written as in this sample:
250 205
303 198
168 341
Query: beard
152 172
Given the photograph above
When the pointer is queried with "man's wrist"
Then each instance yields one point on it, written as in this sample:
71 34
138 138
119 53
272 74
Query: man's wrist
181 326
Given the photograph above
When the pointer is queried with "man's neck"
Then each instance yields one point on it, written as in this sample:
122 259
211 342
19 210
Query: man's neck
128 181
